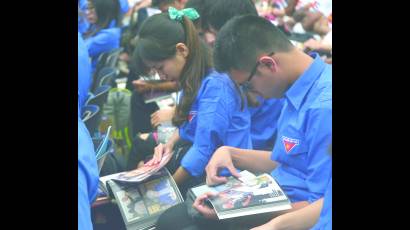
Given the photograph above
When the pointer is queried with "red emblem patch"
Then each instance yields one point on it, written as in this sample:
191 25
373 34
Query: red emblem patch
289 143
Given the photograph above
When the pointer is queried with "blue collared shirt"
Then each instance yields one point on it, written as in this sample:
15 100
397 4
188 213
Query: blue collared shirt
104 41
87 176
264 120
84 71
325 220
304 135
83 24
83 5
215 120
124 6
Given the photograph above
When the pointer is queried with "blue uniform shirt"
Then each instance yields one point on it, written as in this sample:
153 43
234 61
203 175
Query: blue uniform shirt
83 5
104 41
87 176
304 134
83 24
124 6
215 119
264 120
325 220
84 71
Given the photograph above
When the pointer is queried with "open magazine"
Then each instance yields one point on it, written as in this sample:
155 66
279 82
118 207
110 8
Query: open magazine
247 195
141 203
155 96
137 175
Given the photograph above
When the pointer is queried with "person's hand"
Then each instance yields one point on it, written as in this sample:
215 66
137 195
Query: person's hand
312 44
161 150
142 86
220 159
201 207
161 116
141 4
278 12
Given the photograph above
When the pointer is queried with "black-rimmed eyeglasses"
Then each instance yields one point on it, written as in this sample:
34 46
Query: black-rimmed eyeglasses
247 84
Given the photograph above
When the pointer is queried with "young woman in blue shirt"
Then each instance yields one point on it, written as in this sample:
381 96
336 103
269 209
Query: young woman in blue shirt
209 113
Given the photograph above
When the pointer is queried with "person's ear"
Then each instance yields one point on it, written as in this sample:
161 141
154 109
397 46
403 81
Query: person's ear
182 49
269 62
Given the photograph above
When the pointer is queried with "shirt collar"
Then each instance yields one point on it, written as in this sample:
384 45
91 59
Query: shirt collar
297 92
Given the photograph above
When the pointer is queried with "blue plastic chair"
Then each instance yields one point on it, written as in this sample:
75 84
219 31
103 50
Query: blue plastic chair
100 96
91 117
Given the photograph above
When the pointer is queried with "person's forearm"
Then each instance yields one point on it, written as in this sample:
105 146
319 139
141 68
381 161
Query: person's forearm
180 175
303 218
174 138
165 86
321 26
291 7
252 160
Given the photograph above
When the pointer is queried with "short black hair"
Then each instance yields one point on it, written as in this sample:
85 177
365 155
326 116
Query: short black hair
221 11
156 3
243 38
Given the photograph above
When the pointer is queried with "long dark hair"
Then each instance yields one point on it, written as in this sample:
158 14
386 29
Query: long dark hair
107 11
157 41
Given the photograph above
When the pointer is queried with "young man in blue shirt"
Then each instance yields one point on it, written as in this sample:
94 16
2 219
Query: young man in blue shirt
264 117
268 65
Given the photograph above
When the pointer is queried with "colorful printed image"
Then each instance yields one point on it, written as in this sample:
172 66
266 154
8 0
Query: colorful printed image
251 193
158 195
132 204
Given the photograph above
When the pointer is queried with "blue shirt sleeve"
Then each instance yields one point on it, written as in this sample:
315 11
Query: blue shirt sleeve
325 219
213 118
124 6
83 4
84 215
103 41
87 176
319 171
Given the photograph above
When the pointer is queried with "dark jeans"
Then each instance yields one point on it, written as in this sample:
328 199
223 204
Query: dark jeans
184 217
141 150
141 114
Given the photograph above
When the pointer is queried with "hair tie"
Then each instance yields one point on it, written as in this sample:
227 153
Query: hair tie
177 15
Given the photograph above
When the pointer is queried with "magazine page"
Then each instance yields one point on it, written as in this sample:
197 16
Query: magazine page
139 174
131 203
141 203
249 196
245 175
143 172
158 195
254 192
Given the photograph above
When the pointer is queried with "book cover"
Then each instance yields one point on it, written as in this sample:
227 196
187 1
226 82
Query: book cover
247 195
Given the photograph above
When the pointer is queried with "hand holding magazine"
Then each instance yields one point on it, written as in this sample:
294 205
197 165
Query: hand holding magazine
143 194
137 175
247 195
141 203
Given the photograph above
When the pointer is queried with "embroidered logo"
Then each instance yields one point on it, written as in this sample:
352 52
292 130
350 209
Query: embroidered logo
289 143
191 115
